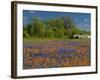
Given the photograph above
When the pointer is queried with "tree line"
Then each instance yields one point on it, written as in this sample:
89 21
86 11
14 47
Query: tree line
62 27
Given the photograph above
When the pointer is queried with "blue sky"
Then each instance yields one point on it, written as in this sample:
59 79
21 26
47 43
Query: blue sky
82 20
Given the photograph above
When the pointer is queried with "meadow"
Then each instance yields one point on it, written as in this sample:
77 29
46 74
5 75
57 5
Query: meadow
54 39
51 53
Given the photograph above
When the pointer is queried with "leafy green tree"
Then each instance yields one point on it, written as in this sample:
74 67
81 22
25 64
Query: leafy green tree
57 28
70 27
26 31
38 28
49 32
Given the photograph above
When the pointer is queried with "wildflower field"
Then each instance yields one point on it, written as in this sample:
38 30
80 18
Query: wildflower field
56 53
53 39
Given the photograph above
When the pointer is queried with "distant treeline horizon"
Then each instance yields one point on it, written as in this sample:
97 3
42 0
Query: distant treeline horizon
60 27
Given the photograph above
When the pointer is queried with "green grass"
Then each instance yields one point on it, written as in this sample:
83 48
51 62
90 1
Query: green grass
39 40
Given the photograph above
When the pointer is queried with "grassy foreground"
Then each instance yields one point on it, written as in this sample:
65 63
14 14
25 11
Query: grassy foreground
39 40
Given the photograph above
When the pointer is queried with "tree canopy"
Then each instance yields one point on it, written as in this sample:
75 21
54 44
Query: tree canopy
58 27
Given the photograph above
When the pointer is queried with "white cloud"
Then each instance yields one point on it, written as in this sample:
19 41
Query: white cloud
31 11
85 20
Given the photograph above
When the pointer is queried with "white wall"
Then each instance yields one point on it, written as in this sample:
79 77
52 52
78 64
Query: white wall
5 43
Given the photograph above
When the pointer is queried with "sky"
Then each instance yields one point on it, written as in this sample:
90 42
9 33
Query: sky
82 20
